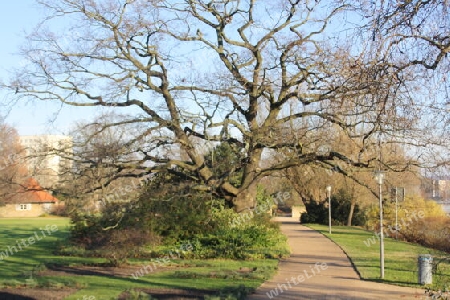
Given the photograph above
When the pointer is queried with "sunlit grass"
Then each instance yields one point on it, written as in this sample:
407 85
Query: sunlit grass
401 258
17 269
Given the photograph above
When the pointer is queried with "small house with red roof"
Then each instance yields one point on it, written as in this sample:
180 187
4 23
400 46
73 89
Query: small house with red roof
31 200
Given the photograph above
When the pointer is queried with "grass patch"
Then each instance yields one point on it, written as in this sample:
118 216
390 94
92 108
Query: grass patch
19 258
22 269
400 263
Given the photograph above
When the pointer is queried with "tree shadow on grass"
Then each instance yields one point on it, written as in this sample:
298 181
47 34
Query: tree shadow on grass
9 296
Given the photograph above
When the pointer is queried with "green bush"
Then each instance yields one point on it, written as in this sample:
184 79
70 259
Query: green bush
186 216
317 212
256 237
105 235
171 211
173 216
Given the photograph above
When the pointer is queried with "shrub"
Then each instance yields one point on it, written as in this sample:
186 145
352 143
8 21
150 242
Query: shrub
177 216
166 212
317 212
105 235
419 221
171 212
253 236
406 210
433 232
60 210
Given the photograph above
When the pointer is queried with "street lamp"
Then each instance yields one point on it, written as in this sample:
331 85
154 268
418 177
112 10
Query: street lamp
396 212
329 207
379 176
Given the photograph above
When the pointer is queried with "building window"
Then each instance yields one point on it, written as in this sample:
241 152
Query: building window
23 207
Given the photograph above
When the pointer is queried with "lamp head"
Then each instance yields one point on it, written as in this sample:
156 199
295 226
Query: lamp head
379 176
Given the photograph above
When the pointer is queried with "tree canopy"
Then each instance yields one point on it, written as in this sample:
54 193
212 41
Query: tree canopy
263 76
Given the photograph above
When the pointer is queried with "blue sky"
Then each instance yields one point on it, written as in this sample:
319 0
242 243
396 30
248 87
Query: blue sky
17 18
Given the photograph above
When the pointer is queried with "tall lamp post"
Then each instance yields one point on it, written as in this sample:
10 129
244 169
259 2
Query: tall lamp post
379 176
329 207
396 212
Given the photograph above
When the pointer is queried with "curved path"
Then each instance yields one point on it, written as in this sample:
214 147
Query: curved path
319 269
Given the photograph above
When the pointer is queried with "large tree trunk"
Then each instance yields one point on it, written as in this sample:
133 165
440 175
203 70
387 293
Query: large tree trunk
350 213
246 199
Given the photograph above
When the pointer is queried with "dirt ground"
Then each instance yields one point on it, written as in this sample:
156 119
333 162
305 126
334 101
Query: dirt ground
60 294
123 271
171 294
52 294
35 294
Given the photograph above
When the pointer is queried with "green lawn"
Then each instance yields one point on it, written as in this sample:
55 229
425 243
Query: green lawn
363 248
22 262
21 268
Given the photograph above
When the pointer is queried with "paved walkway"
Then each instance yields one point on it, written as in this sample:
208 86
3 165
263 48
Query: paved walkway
319 269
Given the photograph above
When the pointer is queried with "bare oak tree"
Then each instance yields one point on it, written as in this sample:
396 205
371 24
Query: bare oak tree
266 76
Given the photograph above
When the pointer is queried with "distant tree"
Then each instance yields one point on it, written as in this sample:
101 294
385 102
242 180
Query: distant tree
399 168
341 210
93 176
13 169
